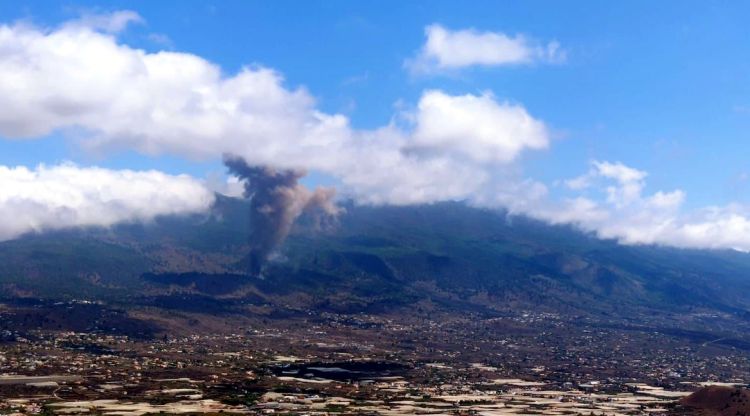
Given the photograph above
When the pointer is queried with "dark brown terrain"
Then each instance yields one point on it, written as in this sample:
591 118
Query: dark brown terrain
717 401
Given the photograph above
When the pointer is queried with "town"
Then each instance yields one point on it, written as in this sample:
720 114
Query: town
329 363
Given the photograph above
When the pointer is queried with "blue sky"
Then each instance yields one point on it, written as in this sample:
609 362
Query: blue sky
662 87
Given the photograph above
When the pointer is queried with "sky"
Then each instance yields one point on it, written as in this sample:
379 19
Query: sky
628 120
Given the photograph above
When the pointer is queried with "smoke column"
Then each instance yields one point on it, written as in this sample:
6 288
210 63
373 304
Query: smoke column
276 200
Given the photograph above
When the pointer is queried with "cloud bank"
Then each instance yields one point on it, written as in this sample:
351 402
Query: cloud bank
446 50
609 201
65 196
77 78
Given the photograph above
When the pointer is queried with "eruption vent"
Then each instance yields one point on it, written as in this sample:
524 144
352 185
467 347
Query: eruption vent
276 201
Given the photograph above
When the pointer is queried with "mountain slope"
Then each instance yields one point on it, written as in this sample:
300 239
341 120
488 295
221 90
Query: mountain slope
377 259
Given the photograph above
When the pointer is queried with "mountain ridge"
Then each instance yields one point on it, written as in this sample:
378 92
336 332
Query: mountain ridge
377 256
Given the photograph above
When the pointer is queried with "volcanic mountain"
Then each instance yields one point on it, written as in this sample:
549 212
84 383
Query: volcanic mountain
448 257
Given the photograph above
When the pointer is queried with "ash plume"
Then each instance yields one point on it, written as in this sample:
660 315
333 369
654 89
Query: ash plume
276 201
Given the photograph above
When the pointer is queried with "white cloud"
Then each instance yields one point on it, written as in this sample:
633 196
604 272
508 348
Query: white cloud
666 200
477 127
112 96
64 196
113 22
630 217
228 185
79 79
621 173
629 182
445 49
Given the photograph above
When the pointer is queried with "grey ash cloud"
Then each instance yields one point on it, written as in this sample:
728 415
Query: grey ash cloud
277 199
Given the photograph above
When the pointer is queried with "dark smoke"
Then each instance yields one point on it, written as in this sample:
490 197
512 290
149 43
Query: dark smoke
276 200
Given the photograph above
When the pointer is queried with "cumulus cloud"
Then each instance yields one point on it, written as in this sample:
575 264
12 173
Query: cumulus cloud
82 80
628 181
66 195
446 49
79 79
477 127
626 214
